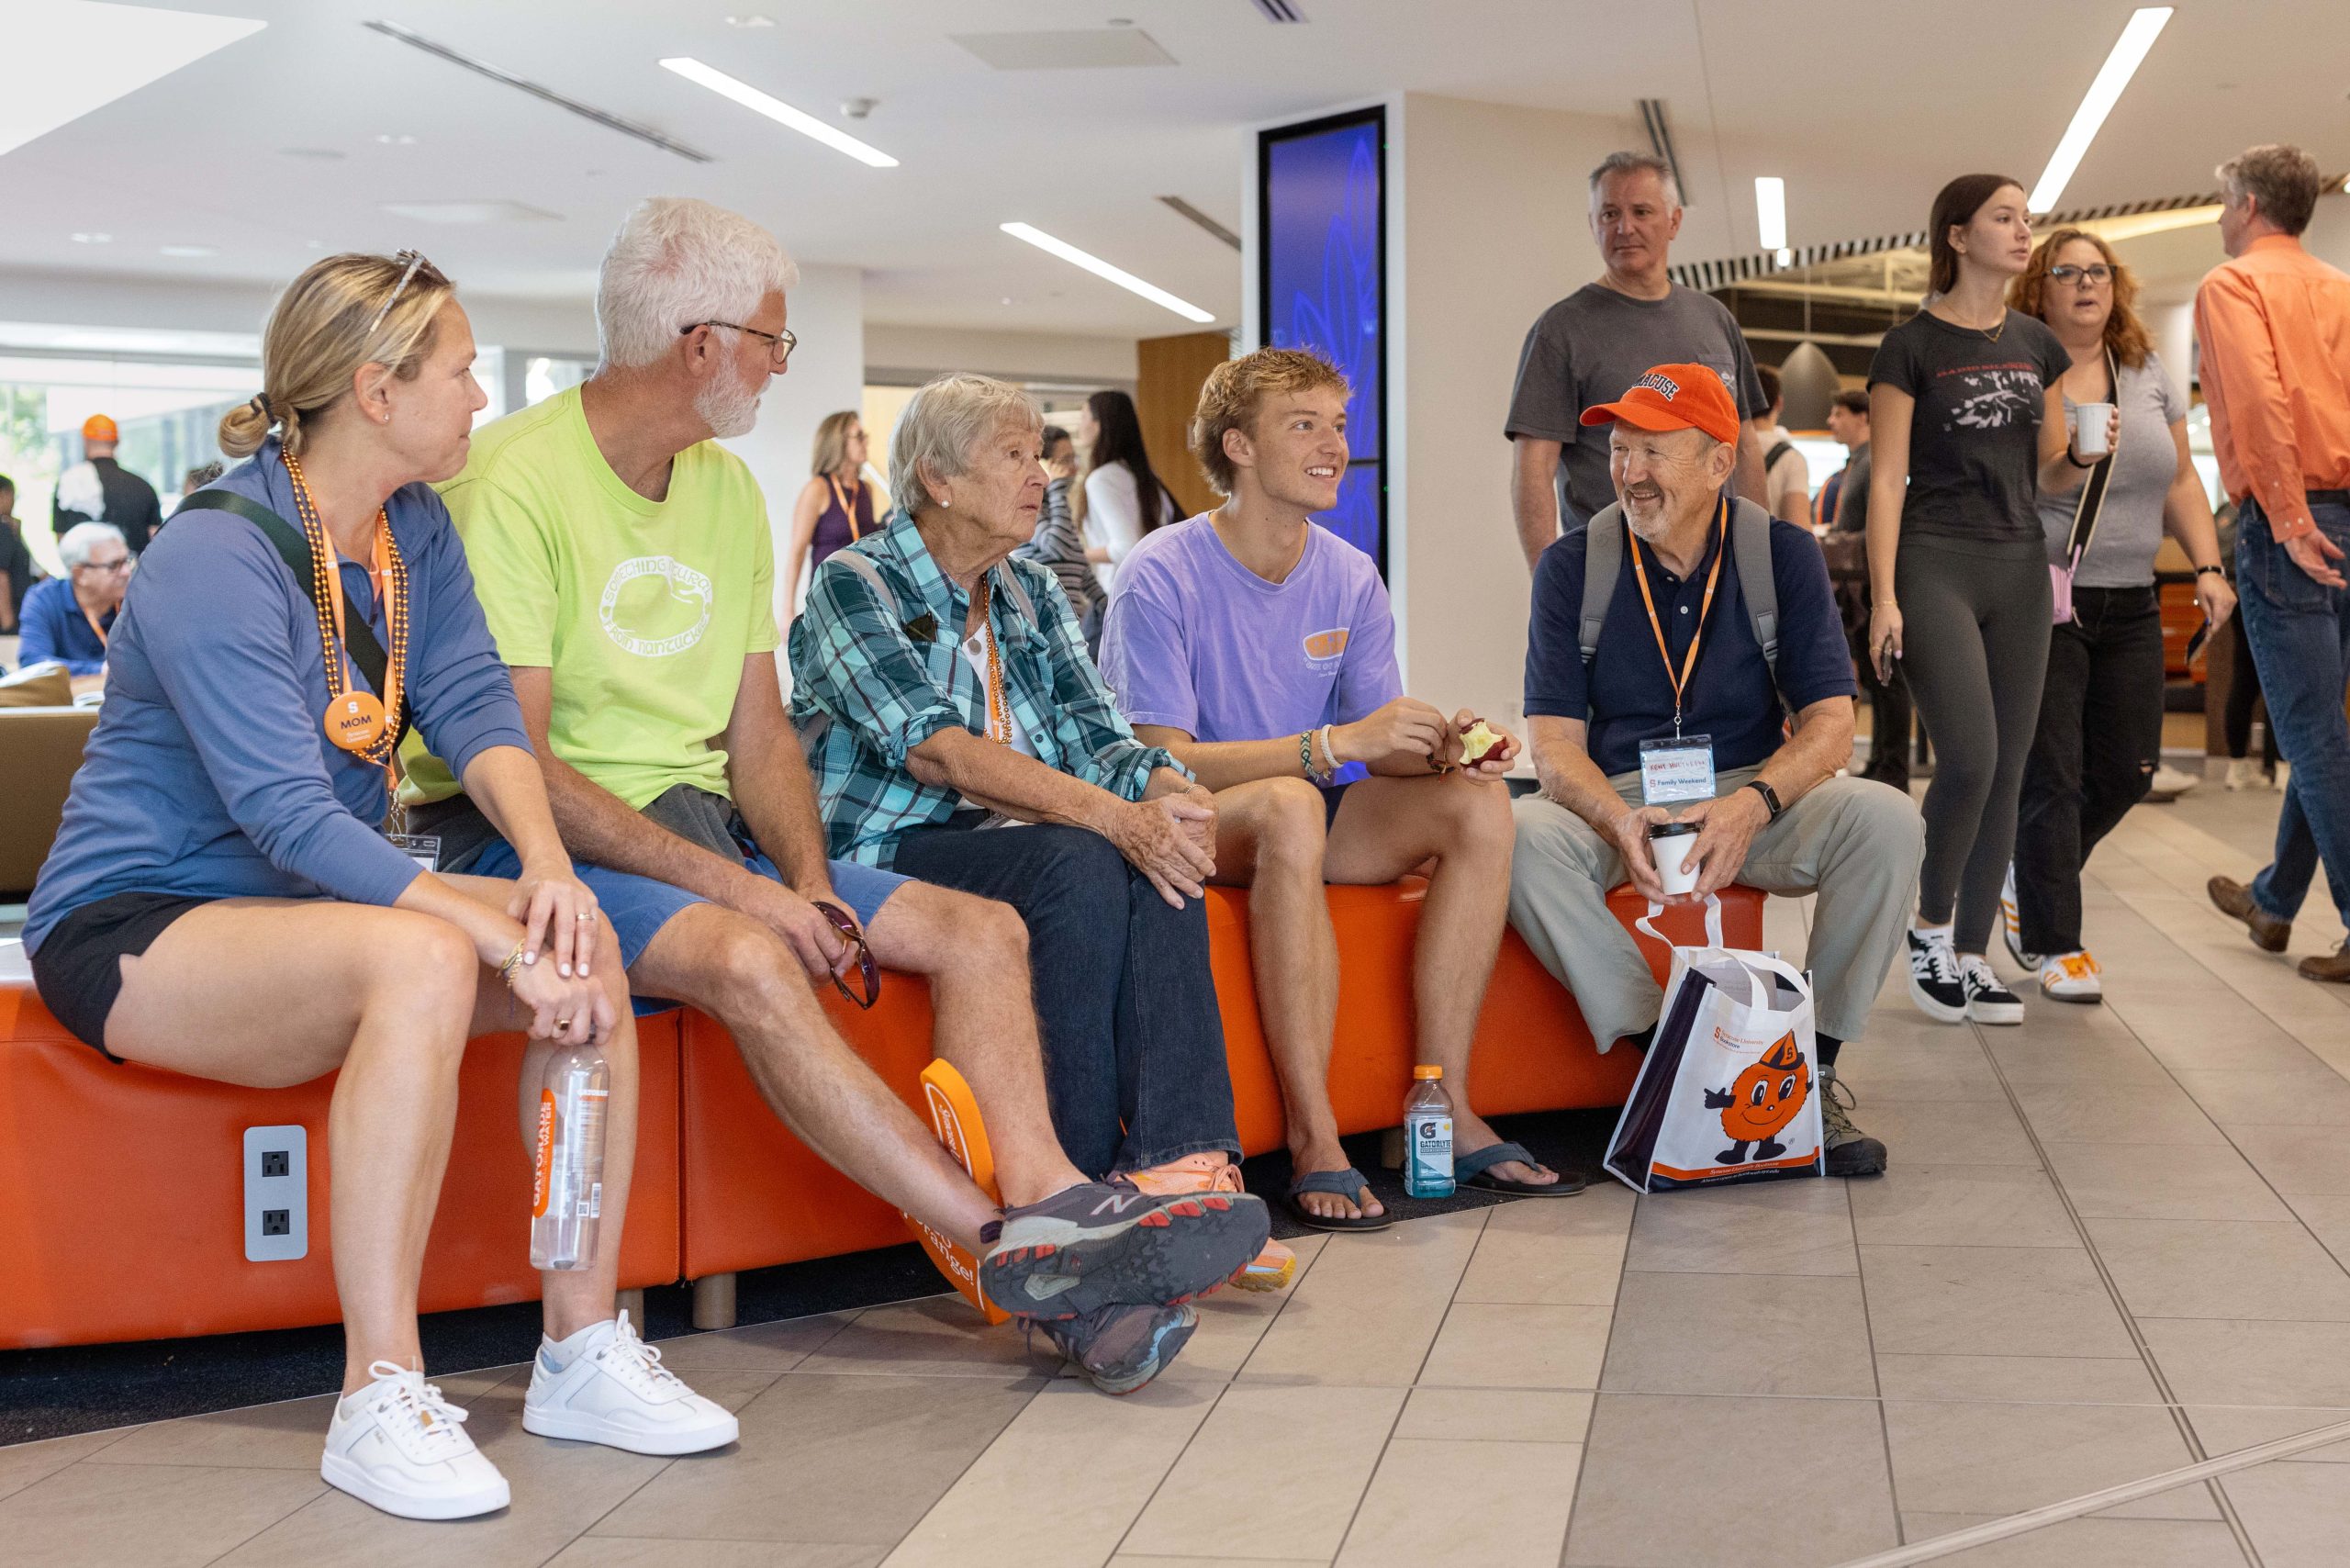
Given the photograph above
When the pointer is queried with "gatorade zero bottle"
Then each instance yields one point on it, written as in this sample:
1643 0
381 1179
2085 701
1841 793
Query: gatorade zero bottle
1428 1136
567 1188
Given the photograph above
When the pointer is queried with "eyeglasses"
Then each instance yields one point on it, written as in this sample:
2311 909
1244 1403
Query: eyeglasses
868 970
121 565
416 263
2083 277
780 344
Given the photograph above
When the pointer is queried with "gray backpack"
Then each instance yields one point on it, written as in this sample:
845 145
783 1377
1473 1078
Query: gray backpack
1750 547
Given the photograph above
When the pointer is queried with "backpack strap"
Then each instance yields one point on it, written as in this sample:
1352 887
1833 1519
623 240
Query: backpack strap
1603 559
358 637
1771 458
1750 542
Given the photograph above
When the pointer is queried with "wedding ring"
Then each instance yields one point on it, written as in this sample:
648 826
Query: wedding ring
563 1022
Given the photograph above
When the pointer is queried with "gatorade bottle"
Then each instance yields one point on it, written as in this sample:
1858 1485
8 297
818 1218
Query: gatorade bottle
1428 1136
567 1192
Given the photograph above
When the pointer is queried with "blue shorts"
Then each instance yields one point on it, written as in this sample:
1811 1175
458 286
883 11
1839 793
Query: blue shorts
639 907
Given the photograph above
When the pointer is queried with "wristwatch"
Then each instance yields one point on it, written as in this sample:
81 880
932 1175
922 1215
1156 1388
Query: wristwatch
1769 797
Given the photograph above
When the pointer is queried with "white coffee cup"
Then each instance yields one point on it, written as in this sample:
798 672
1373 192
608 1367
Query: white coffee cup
1669 845
2091 420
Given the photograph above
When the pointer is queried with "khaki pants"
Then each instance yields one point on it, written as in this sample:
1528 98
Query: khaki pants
1854 842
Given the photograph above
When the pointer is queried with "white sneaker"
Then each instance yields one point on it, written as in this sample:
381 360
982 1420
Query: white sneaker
2072 977
614 1391
2011 922
399 1446
2282 777
1987 1000
2243 773
2174 781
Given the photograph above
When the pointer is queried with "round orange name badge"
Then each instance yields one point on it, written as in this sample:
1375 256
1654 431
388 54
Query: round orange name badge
356 720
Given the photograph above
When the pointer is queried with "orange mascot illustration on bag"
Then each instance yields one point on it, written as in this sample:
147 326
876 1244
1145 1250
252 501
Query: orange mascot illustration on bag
1761 1101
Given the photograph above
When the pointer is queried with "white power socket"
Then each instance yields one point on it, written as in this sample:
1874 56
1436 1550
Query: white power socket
277 1194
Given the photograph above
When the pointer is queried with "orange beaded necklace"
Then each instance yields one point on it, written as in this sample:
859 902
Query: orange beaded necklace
357 719
999 701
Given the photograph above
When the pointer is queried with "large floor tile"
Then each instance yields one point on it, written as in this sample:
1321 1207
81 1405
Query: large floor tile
2105 1056
105 1516
1510 1415
1542 1252
1947 1132
2086 1544
2144 1181
2313 1096
1961 1205
1939 1068
1983 1458
2185 1267
1671 1481
2115 1112
288 1435
1498 1345
2328 1219
1232 1324
2297 1514
1048 1464
1273 1471
759 1347
856 1459
1739 1334
1989 1301
2210 1361
1503 1505
1798 1226
2230 1429
618 1551
2297 1160
938 1336
1138 1560
1369 1309
21 1464
2072 1380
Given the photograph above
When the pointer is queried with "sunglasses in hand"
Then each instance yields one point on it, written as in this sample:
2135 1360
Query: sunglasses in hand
869 972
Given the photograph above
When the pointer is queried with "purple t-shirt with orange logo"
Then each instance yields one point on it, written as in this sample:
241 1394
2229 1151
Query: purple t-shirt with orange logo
1198 643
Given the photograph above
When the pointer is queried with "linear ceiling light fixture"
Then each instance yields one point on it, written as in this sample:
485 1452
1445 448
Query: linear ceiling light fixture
2138 35
776 110
604 117
1771 211
1100 268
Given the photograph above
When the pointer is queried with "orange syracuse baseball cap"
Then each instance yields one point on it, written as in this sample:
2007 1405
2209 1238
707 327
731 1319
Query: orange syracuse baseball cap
1675 397
97 427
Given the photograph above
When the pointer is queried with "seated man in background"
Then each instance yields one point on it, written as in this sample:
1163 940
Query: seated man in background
626 567
1259 650
1679 687
70 618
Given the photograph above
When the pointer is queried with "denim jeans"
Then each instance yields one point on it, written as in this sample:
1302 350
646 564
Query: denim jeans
1112 963
2299 632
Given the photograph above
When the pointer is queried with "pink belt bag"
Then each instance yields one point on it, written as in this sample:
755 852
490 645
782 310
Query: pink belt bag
2085 512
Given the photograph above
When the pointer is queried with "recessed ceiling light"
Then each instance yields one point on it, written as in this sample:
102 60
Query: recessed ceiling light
776 110
1100 268
1771 211
315 154
91 237
1783 257
751 21
396 139
2129 51
189 250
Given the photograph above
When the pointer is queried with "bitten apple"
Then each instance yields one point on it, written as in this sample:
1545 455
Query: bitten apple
1477 740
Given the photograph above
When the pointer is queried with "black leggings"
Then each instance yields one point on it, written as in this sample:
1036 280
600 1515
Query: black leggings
2244 693
1975 626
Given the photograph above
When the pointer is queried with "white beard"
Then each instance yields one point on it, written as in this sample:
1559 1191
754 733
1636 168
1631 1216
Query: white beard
728 410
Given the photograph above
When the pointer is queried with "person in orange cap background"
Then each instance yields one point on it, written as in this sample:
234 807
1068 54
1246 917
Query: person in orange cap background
1675 715
99 489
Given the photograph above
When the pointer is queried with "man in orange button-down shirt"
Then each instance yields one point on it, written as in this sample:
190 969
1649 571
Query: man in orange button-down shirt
2273 324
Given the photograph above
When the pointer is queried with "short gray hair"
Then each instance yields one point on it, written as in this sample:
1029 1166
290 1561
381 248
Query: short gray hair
1638 162
940 425
75 545
676 262
2285 180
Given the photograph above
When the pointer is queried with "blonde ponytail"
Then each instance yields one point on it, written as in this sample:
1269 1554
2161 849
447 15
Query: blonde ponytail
329 322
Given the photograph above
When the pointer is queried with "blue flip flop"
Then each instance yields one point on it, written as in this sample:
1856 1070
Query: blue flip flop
1471 1171
1348 1184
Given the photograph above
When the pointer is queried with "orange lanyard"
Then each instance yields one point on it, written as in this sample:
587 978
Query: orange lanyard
1640 572
846 503
381 574
95 630
998 701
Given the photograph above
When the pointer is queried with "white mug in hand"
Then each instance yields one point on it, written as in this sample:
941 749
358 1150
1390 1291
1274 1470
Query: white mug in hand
2092 422
1669 844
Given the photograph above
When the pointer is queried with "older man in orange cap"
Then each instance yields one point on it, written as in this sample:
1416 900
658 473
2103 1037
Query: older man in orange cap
1674 637
99 489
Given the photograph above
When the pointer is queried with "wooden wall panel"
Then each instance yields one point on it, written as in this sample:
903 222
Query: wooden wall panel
1169 373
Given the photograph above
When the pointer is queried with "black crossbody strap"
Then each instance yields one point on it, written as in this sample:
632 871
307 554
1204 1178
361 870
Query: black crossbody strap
357 636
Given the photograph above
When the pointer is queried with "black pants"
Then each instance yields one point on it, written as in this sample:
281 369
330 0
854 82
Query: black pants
1890 715
2093 756
2244 694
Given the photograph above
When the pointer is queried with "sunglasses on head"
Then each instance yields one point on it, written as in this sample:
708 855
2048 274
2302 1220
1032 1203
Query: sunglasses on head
869 972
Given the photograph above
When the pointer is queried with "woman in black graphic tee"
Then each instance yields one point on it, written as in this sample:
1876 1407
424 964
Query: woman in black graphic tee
1967 422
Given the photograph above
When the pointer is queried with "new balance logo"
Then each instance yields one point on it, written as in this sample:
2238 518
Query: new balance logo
1664 383
1118 1202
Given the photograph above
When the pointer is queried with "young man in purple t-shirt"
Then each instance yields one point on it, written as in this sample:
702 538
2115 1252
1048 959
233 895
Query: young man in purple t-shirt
1260 651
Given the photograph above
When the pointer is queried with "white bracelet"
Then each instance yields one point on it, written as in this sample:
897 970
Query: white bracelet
1329 757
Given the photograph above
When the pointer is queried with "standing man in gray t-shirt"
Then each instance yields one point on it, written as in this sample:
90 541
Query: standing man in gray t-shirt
1590 346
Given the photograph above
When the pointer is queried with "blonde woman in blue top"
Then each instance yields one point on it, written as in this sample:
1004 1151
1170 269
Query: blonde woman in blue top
221 900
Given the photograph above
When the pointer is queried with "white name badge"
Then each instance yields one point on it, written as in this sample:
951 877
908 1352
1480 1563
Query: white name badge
423 849
1681 768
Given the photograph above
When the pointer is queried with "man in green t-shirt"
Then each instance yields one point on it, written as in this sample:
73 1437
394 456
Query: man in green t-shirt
624 561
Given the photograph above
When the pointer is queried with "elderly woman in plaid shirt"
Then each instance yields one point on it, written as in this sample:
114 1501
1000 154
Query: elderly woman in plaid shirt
960 734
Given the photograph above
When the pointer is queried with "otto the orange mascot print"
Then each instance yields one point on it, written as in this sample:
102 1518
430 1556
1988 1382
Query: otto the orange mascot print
1761 1101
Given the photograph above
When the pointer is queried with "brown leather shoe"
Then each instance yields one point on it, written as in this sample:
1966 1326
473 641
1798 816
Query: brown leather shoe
2333 967
2268 934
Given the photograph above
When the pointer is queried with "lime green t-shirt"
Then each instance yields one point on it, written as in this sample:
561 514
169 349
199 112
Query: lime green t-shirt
645 610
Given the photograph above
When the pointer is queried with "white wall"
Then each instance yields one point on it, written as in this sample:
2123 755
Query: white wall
925 352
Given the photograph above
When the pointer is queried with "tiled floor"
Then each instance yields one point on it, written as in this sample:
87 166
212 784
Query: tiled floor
2111 1246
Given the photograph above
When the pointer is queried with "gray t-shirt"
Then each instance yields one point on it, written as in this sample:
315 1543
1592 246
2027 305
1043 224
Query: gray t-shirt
2130 524
1590 348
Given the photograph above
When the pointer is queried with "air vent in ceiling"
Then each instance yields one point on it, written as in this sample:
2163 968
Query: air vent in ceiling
1072 50
470 212
1203 221
604 117
1279 10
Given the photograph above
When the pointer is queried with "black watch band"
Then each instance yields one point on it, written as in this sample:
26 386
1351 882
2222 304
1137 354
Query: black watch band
1769 797
2215 571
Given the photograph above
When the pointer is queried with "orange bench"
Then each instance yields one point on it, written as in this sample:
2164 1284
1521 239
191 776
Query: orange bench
126 1221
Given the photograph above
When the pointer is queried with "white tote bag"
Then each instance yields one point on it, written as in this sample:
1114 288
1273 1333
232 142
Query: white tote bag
1729 1088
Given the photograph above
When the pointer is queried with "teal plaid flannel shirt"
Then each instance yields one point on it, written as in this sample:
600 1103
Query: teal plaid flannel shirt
872 680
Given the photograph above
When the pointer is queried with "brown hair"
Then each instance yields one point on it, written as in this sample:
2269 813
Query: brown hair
831 443
2283 179
2125 334
323 328
1229 399
1954 207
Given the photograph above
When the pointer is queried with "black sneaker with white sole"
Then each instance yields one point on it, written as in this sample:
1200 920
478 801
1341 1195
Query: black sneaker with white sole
1934 977
1987 1000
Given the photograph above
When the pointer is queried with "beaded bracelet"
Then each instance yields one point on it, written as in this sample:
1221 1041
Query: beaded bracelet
1306 755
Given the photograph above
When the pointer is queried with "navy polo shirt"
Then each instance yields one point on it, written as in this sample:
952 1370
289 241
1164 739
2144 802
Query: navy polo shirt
1628 696
55 628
